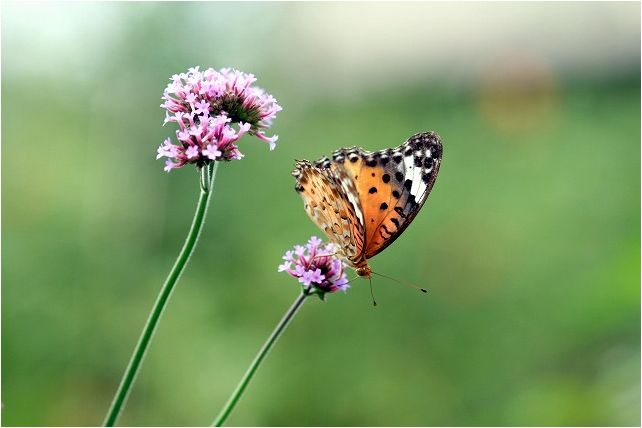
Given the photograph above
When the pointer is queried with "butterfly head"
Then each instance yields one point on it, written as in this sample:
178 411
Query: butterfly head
364 271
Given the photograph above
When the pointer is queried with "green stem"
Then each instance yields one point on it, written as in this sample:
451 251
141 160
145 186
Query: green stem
236 395
207 181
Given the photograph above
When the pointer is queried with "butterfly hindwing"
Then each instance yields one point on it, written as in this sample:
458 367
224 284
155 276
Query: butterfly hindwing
328 205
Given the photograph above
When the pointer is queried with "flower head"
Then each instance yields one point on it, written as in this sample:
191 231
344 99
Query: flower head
316 267
213 110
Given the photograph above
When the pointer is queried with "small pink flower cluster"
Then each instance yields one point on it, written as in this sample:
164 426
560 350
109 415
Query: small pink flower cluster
205 105
316 267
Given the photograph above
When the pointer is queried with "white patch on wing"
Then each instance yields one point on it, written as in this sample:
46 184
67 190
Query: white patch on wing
412 173
421 185
351 192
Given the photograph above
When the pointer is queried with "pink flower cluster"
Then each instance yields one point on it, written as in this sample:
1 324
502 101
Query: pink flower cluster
316 267
213 110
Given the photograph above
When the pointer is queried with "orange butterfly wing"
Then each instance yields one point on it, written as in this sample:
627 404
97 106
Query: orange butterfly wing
410 185
374 195
392 184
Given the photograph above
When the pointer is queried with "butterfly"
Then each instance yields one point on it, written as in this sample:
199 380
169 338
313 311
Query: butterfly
364 200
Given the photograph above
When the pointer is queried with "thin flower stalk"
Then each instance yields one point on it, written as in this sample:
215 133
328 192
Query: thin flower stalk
319 271
265 349
212 110
208 175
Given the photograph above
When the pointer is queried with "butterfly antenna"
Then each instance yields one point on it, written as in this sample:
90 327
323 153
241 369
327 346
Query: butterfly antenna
405 284
374 302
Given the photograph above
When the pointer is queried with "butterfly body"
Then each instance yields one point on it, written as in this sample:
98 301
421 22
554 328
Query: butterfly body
364 200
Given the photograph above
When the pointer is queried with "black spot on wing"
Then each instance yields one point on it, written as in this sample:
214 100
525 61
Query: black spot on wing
399 211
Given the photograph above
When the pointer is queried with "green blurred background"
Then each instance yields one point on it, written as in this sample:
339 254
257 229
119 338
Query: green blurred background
529 243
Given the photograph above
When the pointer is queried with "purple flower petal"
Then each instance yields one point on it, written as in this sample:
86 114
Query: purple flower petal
192 152
285 266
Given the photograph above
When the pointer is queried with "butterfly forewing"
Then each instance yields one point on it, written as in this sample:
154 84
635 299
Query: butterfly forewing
374 190
409 172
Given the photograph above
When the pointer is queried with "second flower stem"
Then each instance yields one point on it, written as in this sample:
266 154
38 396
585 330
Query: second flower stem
207 182
236 395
